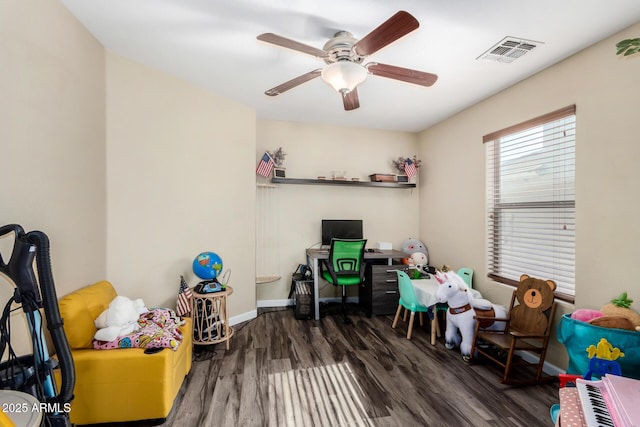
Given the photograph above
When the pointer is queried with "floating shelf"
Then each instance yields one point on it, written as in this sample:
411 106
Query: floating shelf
341 182
266 279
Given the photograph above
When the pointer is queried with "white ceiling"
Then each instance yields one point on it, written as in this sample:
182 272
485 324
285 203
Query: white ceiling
212 43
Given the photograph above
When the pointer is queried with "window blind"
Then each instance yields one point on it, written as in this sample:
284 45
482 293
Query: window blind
531 200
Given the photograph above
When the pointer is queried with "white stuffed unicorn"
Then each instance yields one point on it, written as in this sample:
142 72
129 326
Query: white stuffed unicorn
464 305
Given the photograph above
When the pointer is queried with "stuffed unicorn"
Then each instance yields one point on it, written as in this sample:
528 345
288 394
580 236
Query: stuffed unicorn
464 305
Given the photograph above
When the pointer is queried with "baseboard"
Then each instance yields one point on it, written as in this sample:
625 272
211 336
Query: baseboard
274 303
288 302
244 317
547 368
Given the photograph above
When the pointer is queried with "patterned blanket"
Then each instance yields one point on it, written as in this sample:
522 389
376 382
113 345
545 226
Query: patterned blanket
158 328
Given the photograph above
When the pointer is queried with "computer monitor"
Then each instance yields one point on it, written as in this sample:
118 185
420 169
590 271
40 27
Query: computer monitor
341 229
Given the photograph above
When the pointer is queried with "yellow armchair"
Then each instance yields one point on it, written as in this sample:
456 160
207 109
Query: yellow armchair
122 384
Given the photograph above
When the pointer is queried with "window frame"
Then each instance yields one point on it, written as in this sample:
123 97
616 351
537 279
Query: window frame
493 220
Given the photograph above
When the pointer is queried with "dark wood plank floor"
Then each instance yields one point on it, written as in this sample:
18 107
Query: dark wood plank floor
286 372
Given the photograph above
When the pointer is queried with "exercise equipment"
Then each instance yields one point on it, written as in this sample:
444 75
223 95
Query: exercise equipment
33 374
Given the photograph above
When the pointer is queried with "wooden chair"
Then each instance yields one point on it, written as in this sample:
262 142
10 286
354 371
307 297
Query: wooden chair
527 328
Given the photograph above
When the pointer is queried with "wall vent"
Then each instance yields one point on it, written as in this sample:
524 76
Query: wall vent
509 49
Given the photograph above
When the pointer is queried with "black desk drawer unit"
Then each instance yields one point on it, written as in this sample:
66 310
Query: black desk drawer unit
379 294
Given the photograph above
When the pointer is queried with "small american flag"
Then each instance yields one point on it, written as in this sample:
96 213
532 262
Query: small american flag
410 168
265 165
184 299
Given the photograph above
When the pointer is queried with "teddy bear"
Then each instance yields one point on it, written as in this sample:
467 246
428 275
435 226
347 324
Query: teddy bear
534 296
121 318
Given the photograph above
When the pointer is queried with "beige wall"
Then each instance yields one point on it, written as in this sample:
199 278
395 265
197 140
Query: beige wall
180 180
52 124
388 214
131 185
606 91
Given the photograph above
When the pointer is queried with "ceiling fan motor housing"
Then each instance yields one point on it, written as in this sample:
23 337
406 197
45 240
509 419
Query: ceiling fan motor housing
340 48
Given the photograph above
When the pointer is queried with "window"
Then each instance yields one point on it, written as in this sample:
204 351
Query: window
531 200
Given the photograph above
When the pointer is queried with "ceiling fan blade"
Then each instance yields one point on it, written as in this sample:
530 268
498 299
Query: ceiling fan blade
292 44
399 25
350 100
293 83
404 74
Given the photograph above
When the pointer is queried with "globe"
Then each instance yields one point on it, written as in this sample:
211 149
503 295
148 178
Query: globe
207 265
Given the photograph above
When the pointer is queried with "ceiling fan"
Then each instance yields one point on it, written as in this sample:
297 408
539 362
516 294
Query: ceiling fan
344 55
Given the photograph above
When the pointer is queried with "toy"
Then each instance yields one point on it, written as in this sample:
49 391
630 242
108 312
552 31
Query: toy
618 314
121 318
464 307
535 296
604 350
411 246
602 360
418 260
585 314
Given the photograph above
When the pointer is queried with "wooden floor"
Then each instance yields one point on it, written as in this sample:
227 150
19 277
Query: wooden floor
286 372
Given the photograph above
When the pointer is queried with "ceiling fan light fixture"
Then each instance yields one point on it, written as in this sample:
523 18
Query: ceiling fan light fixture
344 76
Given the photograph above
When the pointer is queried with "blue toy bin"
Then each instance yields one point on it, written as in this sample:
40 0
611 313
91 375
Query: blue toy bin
577 336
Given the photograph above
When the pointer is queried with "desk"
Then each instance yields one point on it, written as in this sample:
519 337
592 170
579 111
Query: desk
319 254
426 295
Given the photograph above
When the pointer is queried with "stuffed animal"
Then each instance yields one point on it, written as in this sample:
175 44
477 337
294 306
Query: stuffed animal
121 318
464 307
585 314
418 259
411 246
618 314
534 296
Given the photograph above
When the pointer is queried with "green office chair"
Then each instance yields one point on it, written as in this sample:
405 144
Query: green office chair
345 266
409 301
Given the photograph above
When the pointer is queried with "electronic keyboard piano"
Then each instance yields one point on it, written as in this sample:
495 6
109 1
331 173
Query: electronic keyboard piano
593 399
613 401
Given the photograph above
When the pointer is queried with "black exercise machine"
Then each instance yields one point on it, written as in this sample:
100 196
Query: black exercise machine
33 374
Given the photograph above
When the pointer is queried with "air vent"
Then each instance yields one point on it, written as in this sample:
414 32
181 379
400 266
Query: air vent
509 49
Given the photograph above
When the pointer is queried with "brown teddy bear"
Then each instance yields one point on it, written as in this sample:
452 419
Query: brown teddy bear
535 296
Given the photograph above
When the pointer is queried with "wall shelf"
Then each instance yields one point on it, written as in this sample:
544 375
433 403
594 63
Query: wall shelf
341 182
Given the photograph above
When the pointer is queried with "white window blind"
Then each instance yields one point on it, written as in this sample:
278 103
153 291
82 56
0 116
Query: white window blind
531 200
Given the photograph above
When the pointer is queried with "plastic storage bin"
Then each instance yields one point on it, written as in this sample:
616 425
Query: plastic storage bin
577 336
